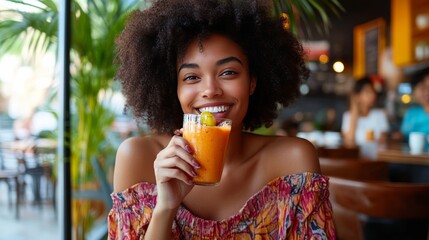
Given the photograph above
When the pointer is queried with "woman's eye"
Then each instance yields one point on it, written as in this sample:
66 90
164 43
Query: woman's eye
228 73
191 78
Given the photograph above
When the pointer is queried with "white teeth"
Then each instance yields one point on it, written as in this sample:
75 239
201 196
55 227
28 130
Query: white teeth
215 109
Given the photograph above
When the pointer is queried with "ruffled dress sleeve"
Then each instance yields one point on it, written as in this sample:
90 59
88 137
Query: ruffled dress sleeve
307 214
131 212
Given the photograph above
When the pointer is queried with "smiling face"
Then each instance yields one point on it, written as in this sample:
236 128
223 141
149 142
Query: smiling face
215 78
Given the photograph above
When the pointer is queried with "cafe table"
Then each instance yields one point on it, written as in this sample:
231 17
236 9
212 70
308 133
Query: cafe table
34 157
400 153
404 166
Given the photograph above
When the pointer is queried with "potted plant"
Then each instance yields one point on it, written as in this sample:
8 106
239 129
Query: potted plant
95 26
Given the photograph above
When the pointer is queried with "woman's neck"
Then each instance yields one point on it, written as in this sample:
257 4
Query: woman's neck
235 146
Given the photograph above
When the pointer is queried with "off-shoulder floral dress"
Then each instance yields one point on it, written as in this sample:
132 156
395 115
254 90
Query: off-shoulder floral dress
292 207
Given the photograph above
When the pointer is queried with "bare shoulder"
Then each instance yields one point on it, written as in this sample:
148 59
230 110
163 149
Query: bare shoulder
134 161
289 155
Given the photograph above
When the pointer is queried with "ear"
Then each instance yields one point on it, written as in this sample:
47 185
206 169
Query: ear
252 85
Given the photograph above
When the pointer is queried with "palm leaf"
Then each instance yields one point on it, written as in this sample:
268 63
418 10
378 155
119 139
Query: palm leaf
22 3
37 28
10 32
309 13
81 32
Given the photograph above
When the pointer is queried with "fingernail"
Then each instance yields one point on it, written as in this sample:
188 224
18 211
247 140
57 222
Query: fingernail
193 173
177 132
188 149
190 182
195 163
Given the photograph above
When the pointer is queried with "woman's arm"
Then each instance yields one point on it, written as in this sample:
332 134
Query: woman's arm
161 224
383 125
349 134
289 155
134 163
172 170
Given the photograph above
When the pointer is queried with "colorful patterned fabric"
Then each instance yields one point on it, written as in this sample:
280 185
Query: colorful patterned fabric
291 207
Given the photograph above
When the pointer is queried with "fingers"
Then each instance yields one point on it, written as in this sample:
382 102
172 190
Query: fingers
174 168
177 139
178 132
180 147
176 162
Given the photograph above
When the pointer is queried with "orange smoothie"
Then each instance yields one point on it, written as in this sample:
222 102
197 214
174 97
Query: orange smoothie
209 144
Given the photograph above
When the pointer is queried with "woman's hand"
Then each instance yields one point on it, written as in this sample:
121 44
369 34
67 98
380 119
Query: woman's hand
174 169
354 106
350 135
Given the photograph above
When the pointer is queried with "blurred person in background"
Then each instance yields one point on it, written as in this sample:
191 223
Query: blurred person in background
416 118
363 122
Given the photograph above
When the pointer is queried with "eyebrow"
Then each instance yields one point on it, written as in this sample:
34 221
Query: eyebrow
218 63
228 59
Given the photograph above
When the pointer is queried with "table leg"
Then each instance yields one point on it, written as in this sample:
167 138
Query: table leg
18 200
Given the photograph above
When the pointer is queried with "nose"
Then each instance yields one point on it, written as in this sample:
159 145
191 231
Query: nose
211 88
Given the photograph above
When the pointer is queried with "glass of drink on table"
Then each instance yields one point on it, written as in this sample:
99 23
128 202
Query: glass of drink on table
208 138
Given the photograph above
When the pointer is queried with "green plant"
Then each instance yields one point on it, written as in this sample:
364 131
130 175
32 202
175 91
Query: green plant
300 14
95 26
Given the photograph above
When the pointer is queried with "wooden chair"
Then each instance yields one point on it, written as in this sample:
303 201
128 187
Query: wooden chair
8 176
24 163
369 210
346 222
355 168
338 152
12 177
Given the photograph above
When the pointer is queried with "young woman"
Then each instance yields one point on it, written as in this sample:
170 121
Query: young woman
234 59
363 123
416 118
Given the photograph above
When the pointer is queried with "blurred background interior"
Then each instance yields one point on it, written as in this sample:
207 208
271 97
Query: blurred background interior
385 39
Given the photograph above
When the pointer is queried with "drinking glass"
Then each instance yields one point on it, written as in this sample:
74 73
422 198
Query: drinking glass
417 142
209 145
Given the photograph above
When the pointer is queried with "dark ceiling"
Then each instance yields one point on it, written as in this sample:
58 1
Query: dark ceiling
340 35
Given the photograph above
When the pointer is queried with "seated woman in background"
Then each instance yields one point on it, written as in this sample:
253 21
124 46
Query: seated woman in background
416 118
363 122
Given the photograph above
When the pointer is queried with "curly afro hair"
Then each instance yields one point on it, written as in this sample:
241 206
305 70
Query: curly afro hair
155 38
